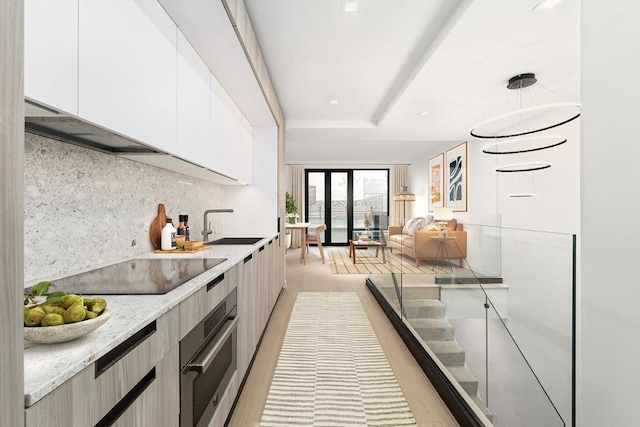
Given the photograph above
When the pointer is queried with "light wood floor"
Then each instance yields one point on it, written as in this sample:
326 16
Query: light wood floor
427 407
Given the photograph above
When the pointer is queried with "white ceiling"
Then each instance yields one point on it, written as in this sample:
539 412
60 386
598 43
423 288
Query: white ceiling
392 60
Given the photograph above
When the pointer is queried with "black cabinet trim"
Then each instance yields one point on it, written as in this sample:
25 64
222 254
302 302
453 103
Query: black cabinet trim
124 403
109 359
214 282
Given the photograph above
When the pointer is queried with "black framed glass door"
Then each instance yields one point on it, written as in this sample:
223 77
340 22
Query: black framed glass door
340 198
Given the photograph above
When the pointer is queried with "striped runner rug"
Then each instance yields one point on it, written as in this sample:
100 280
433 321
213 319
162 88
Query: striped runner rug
332 370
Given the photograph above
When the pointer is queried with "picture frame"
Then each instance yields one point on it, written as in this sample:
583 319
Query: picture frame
436 182
456 167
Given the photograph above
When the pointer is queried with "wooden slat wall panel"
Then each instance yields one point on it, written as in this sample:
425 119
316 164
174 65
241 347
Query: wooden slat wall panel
11 209
240 20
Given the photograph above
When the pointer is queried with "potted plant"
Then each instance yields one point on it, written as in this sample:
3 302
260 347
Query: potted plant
291 217
292 209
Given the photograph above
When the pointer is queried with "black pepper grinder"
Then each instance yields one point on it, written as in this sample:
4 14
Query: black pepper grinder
180 225
187 231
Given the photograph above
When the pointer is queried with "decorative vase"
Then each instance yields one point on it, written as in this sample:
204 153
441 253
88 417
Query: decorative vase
287 240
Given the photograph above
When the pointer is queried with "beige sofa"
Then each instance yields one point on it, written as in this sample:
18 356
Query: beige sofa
423 244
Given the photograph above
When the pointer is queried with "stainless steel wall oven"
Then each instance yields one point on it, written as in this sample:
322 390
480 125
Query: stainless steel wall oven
208 359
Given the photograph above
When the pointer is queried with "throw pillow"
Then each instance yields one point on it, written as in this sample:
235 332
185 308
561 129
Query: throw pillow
452 224
413 225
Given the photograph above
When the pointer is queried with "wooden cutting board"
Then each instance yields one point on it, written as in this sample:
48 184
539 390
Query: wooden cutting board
155 231
182 251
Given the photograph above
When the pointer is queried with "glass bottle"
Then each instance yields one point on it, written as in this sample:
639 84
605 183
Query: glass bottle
168 236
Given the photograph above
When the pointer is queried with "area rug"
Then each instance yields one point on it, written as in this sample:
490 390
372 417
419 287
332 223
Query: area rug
332 370
368 263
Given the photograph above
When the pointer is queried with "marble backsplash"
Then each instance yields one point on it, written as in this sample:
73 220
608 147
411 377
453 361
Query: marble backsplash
84 207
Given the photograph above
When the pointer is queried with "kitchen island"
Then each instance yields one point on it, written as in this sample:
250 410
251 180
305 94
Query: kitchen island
54 369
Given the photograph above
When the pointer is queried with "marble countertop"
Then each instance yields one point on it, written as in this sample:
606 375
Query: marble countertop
47 366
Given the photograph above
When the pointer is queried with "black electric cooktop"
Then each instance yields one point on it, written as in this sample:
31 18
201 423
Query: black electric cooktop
136 276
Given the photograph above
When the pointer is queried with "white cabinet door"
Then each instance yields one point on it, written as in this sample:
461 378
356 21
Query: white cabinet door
51 53
193 105
247 151
127 69
226 132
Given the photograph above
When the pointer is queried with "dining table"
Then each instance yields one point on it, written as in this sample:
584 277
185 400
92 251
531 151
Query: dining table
302 226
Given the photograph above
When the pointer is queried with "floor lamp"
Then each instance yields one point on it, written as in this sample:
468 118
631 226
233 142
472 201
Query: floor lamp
403 196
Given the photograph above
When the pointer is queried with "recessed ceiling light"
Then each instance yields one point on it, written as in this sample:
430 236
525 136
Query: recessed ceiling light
333 102
423 113
349 6
546 5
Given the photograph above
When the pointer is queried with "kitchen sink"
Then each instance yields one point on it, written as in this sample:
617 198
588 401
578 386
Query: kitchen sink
235 241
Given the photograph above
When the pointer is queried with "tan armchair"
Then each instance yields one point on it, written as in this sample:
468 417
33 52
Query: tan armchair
423 245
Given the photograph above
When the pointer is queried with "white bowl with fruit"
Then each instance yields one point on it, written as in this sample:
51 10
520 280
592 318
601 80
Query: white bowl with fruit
61 317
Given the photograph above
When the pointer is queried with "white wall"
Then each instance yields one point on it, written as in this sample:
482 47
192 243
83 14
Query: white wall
610 320
255 206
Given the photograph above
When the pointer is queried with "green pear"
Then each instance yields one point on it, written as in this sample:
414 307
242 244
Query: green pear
69 299
52 319
34 316
75 313
97 304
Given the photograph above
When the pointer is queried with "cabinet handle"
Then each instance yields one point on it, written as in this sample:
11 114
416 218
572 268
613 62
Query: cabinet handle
247 259
214 282
122 406
261 249
202 362
109 359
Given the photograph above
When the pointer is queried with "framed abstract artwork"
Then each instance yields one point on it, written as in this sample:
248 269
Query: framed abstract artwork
436 182
456 178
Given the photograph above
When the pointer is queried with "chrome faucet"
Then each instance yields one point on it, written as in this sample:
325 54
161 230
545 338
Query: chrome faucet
207 230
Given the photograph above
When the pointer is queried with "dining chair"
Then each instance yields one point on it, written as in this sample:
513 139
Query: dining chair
315 239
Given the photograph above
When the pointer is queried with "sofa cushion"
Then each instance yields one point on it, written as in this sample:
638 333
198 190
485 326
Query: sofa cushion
452 224
402 240
414 224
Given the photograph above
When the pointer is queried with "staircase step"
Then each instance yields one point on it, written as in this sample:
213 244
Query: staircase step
465 378
449 352
424 308
433 329
486 411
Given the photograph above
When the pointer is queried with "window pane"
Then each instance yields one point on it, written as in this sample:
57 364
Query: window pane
315 191
339 193
370 194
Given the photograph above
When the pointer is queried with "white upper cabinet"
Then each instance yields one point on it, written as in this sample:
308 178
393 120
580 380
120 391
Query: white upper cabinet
226 132
194 105
51 53
127 69
247 151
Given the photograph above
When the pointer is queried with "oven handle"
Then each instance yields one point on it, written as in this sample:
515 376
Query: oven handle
202 362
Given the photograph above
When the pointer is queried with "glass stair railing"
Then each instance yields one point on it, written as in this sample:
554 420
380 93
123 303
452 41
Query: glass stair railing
499 331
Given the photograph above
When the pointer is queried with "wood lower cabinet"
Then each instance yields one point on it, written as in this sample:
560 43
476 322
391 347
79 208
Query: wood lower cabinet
136 374
198 305
155 404
258 290
138 382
